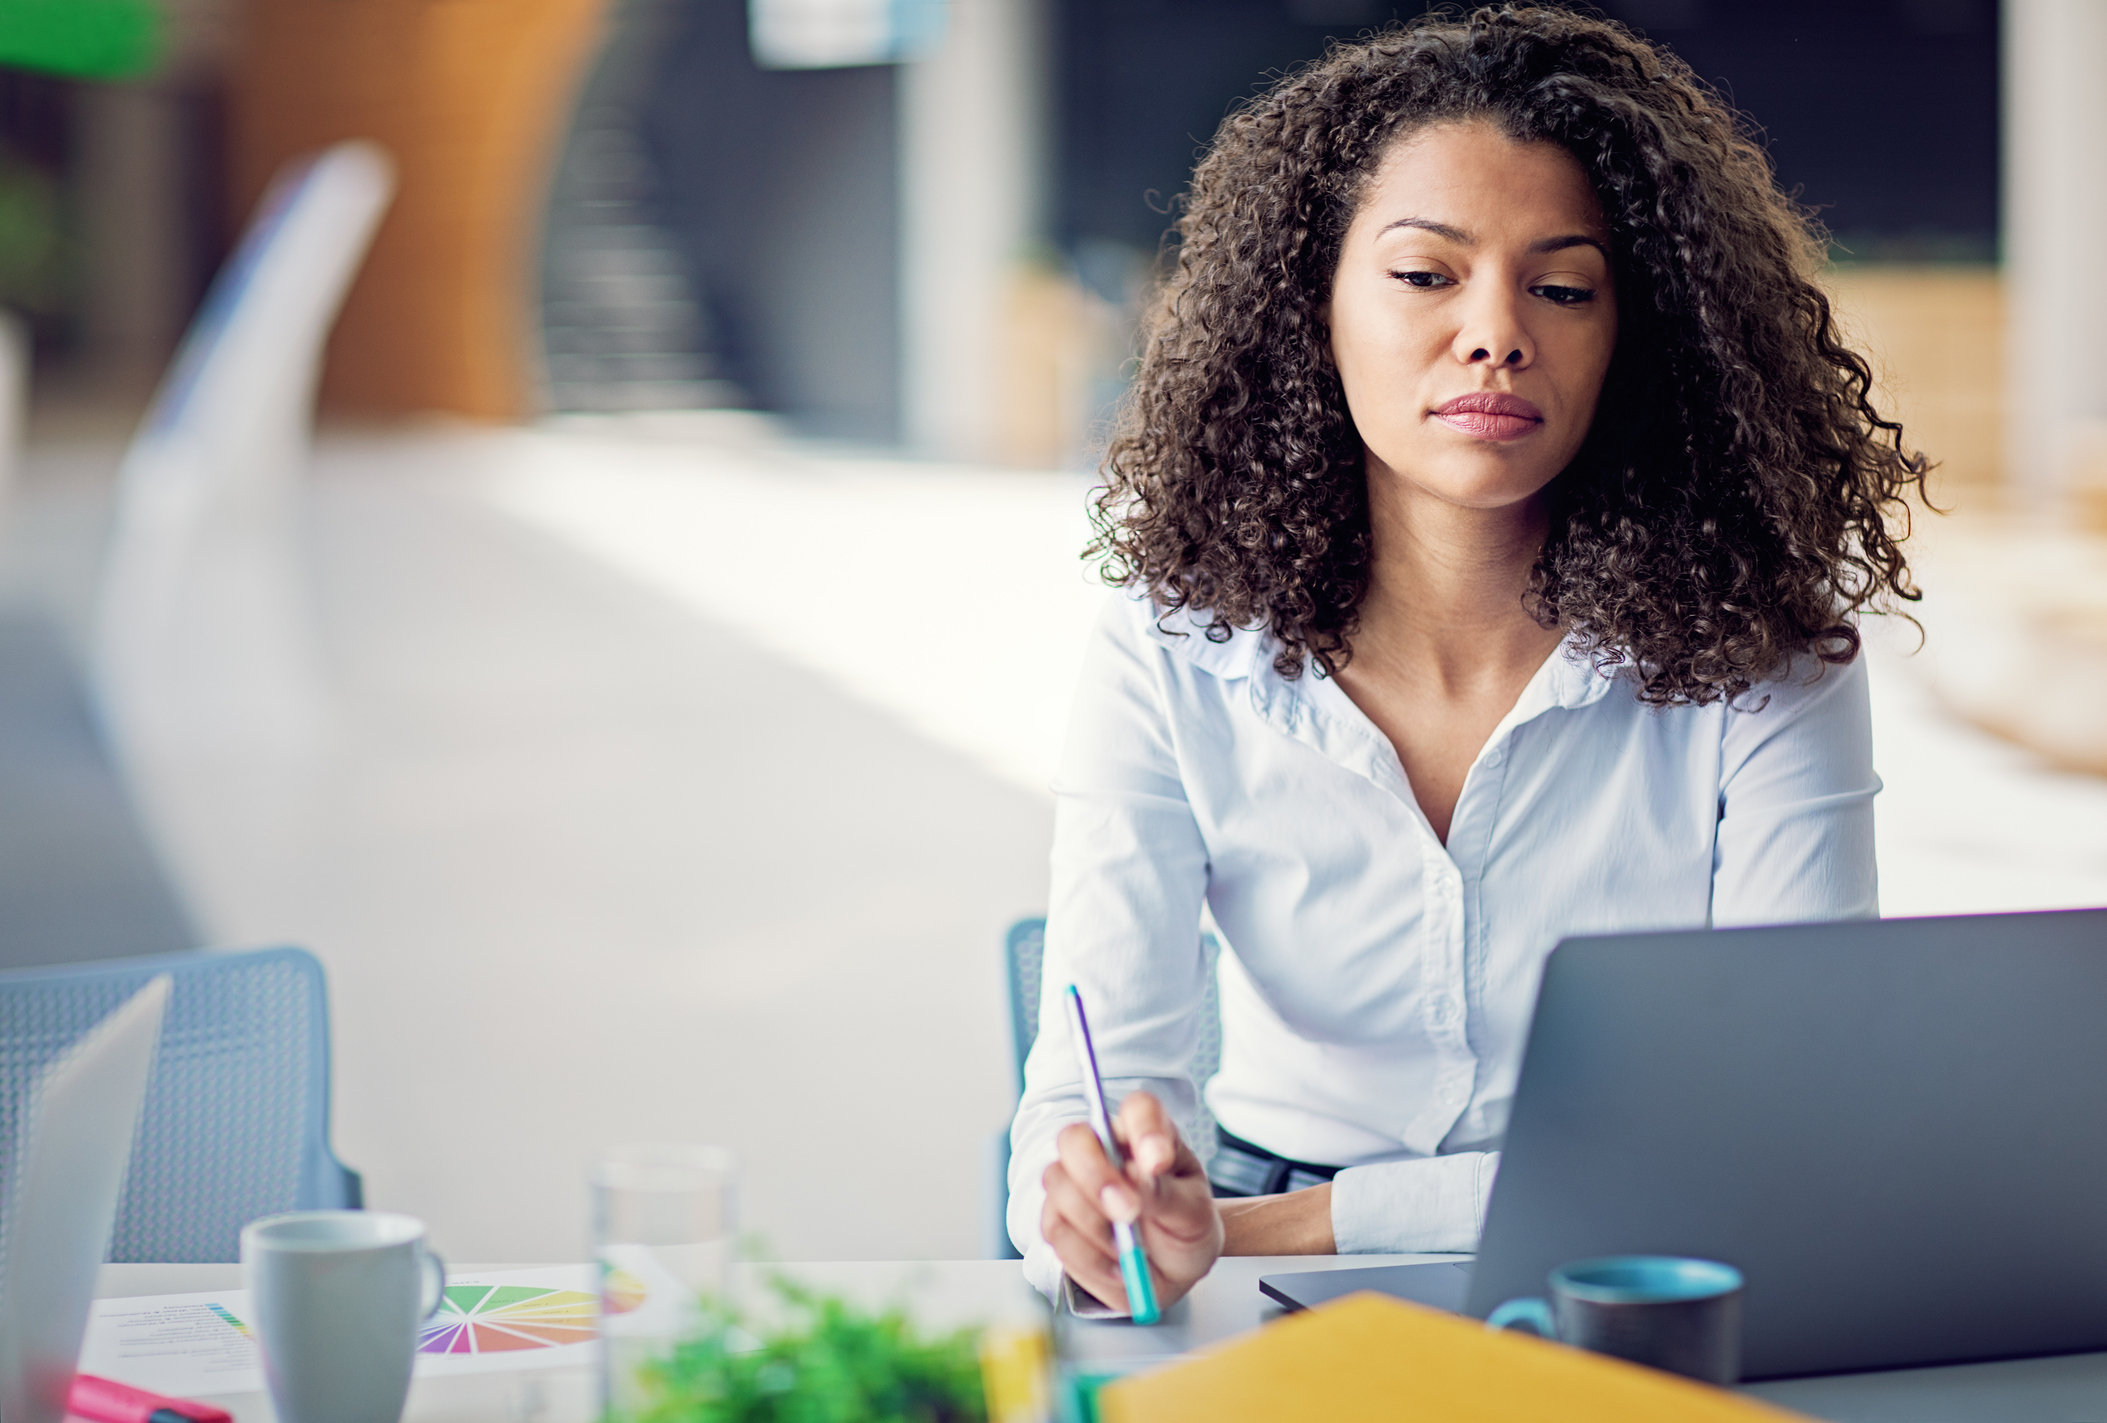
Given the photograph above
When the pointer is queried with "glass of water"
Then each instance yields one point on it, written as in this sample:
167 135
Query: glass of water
664 1223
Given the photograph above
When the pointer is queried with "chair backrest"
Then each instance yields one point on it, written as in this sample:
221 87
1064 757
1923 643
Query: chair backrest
1024 951
204 631
236 1123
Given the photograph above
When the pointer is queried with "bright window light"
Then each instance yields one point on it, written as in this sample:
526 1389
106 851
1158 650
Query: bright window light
833 34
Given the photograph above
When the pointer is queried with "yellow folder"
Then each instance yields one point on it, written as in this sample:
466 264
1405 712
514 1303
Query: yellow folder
1372 1357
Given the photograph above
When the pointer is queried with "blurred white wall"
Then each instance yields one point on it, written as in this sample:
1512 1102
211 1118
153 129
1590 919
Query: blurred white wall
2055 208
972 160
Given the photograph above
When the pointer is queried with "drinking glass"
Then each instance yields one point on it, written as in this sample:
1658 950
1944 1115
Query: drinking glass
664 1222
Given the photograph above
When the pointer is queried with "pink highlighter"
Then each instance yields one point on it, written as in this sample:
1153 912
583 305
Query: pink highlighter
107 1401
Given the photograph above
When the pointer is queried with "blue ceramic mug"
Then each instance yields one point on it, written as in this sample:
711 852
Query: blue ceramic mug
1664 1311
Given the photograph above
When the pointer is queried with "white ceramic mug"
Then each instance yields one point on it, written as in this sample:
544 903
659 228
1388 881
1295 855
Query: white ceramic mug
338 1296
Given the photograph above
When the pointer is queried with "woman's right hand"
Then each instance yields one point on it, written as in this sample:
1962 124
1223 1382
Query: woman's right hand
1164 1189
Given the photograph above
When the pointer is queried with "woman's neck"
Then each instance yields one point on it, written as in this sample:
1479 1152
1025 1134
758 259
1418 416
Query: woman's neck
1444 648
1445 588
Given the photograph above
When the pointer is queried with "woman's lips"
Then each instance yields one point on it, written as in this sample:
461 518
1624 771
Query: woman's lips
1489 415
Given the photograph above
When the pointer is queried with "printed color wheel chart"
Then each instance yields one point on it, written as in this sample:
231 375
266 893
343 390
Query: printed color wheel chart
487 1319
620 1291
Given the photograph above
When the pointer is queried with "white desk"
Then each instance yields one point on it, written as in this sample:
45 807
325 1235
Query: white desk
2070 1389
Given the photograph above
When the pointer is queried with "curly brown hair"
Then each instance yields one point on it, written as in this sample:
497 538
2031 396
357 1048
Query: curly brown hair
1730 506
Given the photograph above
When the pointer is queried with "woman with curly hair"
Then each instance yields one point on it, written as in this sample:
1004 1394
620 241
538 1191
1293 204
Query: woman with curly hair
1495 501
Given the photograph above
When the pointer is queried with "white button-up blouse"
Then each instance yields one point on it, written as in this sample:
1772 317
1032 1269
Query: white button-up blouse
1376 985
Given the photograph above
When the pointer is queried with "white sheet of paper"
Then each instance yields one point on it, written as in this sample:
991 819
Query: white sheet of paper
200 1344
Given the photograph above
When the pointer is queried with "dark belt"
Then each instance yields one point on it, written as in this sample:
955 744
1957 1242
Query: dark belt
1241 1168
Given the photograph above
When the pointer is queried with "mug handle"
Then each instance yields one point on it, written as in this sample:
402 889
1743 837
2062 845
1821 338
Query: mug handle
1534 1312
435 1282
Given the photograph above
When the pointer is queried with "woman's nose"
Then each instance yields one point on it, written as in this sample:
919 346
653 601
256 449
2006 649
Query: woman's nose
1493 334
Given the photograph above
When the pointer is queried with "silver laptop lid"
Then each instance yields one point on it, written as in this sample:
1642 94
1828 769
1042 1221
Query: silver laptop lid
1897 1130
68 1168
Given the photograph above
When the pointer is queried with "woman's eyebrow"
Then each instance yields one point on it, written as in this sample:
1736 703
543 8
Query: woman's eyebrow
1572 239
1464 239
1439 229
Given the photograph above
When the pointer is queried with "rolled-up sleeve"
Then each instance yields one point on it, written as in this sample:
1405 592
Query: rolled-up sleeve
1795 839
1128 876
1435 1205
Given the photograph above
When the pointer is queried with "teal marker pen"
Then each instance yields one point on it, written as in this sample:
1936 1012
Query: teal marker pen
1133 1260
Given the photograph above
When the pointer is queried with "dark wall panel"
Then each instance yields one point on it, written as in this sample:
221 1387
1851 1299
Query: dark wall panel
783 186
1883 113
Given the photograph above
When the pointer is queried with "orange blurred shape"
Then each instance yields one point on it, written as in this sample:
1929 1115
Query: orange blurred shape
471 97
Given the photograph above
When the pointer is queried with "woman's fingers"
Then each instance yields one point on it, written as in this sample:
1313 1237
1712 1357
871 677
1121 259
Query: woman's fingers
1073 1206
1180 1200
1077 1228
1076 1186
1086 1164
1163 1190
1150 1134
1099 1274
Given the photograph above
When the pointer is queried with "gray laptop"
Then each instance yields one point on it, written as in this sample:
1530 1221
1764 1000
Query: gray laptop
1897 1130
64 1171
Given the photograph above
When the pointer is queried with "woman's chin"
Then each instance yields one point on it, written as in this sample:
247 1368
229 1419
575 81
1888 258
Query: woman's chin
1484 483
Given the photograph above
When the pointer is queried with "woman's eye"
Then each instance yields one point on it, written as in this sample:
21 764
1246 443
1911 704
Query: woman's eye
1424 280
1564 296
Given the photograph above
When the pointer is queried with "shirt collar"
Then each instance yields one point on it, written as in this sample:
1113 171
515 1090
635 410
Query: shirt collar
1318 712
1314 710
1245 649
1567 680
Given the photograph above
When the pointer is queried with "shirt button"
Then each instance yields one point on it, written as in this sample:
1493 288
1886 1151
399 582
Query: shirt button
1495 756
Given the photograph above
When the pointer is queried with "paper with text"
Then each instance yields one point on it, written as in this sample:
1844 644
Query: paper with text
203 1344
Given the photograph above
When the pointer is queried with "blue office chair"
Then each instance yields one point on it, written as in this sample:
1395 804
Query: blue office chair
1023 953
236 1121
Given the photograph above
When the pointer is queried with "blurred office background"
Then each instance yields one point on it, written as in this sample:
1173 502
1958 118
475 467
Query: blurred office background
689 547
